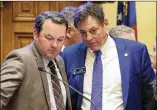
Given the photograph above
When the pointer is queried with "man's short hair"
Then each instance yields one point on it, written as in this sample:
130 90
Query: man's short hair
68 13
89 9
54 16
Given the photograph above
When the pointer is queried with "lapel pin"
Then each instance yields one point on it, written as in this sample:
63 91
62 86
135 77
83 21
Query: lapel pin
79 70
126 54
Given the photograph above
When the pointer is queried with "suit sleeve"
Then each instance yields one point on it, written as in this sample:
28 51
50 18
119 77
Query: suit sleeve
148 79
12 74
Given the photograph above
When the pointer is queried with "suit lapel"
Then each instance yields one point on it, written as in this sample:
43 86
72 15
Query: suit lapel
124 57
40 63
79 78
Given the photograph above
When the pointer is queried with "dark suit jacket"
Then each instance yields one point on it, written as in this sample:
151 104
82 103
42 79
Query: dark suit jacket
137 74
23 86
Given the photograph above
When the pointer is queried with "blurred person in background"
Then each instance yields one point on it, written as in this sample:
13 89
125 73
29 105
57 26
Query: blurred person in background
123 31
73 35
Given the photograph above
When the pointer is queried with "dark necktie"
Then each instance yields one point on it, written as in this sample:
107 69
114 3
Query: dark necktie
96 95
56 88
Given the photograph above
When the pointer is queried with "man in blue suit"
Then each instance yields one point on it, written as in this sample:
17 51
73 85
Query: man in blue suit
114 73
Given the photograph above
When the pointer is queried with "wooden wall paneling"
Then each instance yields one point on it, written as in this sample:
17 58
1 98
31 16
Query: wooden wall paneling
22 39
24 11
69 3
7 29
1 29
59 5
43 6
23 22
63 4
54 5
23 26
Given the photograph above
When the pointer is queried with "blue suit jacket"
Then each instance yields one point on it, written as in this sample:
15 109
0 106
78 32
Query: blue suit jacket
137 74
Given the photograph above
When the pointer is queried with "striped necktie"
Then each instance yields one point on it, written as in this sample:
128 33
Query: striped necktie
56 88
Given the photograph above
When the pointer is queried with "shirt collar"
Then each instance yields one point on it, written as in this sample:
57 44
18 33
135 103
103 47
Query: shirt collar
46 61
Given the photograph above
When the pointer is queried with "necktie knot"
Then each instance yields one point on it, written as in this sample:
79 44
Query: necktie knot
52 67
98 53
51 64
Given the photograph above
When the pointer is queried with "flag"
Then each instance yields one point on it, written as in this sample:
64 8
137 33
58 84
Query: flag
126 14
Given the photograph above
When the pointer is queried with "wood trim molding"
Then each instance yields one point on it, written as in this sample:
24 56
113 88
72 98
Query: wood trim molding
24 11
22 39
1 28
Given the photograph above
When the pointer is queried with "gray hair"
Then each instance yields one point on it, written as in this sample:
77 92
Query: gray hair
54 16
118 30
88 9
68 13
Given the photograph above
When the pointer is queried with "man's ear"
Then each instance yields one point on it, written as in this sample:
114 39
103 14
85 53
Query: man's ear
68 32
35 34
106 23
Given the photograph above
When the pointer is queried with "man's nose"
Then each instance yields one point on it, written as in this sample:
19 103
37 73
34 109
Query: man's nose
89 36
54 43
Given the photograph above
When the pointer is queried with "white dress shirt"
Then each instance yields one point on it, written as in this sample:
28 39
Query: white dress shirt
62 48
52 100
112 90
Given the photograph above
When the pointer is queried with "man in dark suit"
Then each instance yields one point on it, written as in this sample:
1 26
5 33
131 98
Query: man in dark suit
115 73
26 87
